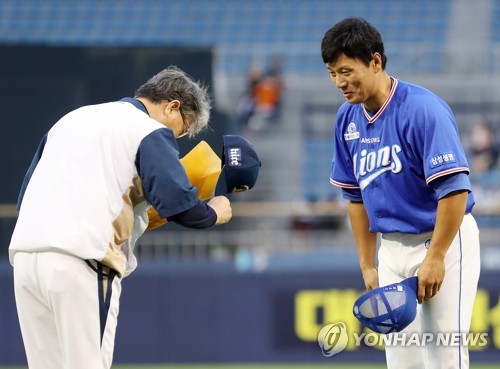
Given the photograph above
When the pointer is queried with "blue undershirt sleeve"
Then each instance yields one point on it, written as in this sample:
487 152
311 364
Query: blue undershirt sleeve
199 216
352 194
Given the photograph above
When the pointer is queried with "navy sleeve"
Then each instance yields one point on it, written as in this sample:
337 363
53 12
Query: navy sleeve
352 194
31 169
163 177
199 216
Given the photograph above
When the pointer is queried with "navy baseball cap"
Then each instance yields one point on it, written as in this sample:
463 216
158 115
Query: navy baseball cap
240 166
389 308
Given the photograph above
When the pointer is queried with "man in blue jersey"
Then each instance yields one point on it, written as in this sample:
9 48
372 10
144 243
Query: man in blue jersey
399 162
84 202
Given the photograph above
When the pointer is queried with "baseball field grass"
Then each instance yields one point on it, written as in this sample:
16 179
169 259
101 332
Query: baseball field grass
278 366
260 366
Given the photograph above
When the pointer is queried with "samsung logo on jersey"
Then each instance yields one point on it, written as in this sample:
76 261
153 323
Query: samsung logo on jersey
372 164
370 140
352 132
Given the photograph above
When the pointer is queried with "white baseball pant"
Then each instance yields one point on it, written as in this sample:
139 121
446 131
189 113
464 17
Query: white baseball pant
67 311
450 310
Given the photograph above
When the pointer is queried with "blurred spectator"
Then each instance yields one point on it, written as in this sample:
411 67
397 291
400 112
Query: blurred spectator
268 92
483 148
245 108
261 101
483 155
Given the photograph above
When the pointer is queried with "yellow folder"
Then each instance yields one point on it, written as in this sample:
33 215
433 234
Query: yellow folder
203 168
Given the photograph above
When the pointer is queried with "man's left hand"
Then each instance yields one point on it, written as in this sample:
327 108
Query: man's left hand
430 277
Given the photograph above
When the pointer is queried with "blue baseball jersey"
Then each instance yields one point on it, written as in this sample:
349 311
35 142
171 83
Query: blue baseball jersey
400 160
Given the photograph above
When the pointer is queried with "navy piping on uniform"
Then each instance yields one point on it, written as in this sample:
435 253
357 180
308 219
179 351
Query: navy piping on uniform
137 103
104 300
31 169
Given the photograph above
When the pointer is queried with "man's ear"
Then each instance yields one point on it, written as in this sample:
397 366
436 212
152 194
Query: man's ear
377 62
172 105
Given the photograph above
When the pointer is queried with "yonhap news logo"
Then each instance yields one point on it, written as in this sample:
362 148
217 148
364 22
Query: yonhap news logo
332 338
407 339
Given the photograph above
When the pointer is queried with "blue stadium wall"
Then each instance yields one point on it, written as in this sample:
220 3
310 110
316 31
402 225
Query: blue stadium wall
39 84
42 83
213 313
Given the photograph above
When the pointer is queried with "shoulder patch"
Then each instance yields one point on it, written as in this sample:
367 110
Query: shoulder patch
441 159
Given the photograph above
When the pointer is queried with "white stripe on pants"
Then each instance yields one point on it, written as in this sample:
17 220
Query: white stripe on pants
58 308
450 311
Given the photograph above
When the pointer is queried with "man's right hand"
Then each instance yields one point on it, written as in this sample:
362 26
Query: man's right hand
370 276
222 208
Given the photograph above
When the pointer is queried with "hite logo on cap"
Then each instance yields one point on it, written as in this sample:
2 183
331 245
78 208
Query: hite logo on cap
234 157
332 338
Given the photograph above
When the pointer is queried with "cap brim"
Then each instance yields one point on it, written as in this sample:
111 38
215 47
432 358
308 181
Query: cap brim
221 186
411 282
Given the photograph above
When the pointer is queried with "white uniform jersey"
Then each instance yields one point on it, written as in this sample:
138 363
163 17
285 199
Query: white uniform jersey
93 167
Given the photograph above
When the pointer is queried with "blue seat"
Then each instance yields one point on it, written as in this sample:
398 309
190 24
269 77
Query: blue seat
273 24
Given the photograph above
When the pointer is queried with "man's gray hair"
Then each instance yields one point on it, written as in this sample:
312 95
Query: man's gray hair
174 84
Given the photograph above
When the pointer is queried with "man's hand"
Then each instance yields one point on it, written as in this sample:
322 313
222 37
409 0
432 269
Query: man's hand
430 277
370 276
222 208
450 213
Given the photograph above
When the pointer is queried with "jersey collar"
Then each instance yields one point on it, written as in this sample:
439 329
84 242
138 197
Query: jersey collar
138 104
373 118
